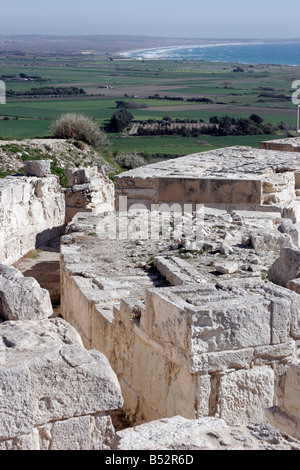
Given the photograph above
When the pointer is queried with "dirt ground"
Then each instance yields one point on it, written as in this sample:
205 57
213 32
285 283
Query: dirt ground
43 265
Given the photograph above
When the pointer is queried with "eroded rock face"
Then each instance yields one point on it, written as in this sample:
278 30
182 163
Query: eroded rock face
52 386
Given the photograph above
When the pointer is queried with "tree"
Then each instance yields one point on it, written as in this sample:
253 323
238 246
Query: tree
257 119
120 120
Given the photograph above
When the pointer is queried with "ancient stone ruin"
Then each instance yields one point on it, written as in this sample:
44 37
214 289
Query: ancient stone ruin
180 310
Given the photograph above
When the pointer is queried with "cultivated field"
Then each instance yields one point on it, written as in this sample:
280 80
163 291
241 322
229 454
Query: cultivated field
158 88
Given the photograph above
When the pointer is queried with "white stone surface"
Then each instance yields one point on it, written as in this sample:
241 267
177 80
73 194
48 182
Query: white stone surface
185 435
50 382
286 267
32 212
22 298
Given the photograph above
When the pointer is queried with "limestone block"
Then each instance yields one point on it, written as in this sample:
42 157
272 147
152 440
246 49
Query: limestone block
292 391
280 320
69 434
170 271
167 389
94 432
166 320
227 267
39 168
292 211
222 361
168 433
291 229
72 383
9 272
282 351
17 193
278 292
282 421
183 435
49 380
32 210
286 267
22 298
266 241
246 393
82 175
102 432
24 442
225 325
203 395
17 416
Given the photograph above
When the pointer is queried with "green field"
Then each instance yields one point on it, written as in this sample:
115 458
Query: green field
165 146
234 94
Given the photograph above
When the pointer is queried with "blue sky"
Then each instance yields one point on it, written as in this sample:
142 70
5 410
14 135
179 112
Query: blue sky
167 18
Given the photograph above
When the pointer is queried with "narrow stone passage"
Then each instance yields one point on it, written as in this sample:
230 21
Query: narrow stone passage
43 265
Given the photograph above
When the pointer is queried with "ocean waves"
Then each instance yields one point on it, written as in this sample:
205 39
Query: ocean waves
281 53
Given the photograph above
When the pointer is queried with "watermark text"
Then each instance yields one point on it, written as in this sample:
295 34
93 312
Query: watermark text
2 92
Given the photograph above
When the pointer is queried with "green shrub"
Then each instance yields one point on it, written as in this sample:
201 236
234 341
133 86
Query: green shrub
80 128
130 161
56 170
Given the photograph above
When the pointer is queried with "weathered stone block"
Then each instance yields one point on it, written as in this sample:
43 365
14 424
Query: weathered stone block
292 391
280 320
286 267
22 298
48 376
94 432
226 325
17 415
39 168
246 393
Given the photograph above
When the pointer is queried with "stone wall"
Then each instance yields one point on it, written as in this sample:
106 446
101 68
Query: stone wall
90 190
219 341
231 178
283 145
32 212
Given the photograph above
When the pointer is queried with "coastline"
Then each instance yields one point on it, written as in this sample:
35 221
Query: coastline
169 52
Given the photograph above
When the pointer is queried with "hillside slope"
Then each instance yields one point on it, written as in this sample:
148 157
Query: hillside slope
63 153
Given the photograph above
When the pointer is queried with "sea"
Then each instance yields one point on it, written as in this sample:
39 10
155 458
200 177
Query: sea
279 53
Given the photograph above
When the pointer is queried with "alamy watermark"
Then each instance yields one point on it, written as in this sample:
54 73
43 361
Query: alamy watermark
2 92
296 94
160 222
296 100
